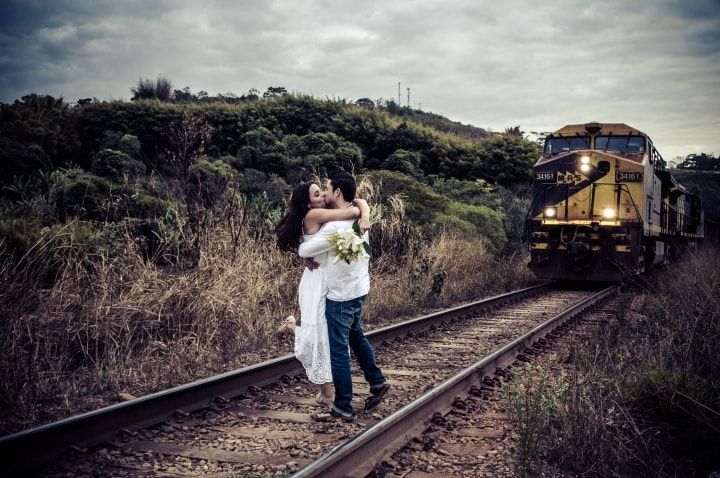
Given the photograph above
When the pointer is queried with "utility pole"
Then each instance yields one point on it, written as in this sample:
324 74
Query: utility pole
408 97
399 103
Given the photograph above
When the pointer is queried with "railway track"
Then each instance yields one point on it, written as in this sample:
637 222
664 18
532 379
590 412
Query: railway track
476 436
257 420
364 452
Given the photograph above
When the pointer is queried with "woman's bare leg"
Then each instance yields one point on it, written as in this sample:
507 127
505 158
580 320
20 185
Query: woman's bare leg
327 392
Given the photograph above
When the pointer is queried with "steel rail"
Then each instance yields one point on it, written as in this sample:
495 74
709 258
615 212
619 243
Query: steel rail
33 447
358 455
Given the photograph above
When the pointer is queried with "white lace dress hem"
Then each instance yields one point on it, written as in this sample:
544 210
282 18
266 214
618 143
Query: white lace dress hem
312 346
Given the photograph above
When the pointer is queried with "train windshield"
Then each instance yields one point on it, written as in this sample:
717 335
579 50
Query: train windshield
621 144
562 144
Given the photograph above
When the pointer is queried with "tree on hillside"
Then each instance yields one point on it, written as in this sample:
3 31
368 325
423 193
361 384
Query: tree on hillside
260 149
322 153
146 89
673 163
514 131
506 159
365 103
274 92
184 95
407 162
705 162
229 97
163 88
392 107
35 136
253 94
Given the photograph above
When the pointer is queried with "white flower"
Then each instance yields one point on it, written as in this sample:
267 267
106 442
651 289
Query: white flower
349 245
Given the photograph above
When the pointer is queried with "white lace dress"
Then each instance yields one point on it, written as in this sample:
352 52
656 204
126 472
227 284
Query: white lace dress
312 347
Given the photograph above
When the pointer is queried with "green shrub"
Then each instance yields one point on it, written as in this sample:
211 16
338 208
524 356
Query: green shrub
209 180
434 212
506 159
19 234
477 192
446 222
130 145
421 203
83 195
115 165
322 153
260 149
485 222
515 203
531 403
406 162
252 182
140 203
21 159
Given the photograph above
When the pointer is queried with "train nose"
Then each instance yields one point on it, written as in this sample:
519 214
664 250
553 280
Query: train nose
579 256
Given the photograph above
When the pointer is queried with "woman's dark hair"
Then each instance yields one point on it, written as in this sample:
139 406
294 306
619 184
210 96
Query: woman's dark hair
289 230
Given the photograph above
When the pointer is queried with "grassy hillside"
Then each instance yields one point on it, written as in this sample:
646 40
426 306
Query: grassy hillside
438 122
160 169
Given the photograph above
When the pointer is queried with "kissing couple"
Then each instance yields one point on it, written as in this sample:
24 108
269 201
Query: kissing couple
331 294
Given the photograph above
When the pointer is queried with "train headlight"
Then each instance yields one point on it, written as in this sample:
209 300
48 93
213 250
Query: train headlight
584 168
550 212
609 213
584 159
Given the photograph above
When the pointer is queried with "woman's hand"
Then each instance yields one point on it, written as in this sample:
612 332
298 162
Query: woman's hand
311 263
364 220
364 224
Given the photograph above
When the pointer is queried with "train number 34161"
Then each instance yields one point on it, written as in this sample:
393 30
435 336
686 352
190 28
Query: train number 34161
628 176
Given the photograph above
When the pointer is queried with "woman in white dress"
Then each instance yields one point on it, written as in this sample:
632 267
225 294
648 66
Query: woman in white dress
306 216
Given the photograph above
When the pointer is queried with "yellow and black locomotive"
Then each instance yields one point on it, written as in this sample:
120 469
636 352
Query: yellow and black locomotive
604 206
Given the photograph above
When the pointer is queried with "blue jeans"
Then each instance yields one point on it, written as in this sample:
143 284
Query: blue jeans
345 330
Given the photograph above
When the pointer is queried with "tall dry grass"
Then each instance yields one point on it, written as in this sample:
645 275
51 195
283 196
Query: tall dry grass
83 328
643 394
110 325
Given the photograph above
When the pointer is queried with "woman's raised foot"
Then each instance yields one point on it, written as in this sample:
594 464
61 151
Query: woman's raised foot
287 328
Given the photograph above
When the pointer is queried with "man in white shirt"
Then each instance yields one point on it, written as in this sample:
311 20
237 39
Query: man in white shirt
347 289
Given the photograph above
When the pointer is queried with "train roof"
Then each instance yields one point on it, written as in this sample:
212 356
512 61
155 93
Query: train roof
615 129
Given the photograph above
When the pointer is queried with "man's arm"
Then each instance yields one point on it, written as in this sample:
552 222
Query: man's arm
318 243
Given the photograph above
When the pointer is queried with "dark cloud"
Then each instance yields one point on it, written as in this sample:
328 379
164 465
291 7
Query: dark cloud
692 9
653 64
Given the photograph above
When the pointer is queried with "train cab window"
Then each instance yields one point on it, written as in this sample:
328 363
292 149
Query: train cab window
621 144
563 144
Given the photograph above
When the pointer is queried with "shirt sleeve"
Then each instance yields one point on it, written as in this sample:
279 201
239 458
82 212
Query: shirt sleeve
318 243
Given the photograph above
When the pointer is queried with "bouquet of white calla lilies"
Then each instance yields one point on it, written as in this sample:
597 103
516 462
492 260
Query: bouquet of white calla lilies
349 245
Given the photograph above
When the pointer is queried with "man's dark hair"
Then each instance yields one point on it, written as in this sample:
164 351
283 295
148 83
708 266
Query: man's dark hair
346 183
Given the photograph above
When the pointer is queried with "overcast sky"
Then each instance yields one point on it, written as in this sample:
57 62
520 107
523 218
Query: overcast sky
654 64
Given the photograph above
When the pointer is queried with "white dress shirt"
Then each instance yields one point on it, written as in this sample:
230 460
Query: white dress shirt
344 281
